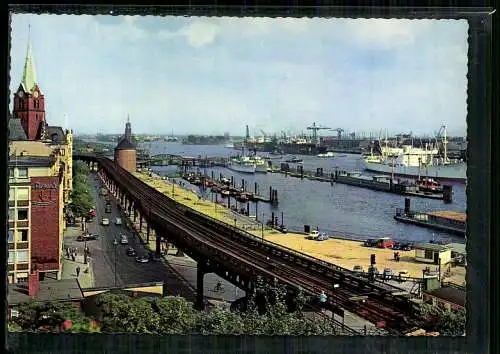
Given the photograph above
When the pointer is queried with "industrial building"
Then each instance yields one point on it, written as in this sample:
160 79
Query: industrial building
125 151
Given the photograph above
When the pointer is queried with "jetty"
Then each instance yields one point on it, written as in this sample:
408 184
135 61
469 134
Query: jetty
378 183
226 187
448 221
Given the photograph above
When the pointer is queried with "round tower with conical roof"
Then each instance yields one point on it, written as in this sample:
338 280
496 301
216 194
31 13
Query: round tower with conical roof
125 151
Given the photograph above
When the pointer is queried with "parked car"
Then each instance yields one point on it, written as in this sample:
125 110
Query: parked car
358 269
142 259
118 221
123 240
105 221
388 274
282 229
322 237
313 235
370 243
385 242
131 252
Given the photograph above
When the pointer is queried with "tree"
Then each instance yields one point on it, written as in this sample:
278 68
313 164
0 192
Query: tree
436 319
115 310
176 314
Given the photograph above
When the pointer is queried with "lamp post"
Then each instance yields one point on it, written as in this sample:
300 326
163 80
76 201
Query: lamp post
115 243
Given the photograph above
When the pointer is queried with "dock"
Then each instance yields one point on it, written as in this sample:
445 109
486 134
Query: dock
226 187
447 221
378 183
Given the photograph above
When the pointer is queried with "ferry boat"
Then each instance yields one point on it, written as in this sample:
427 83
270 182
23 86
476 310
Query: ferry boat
229 146
327 155
260 164
242 164
408 161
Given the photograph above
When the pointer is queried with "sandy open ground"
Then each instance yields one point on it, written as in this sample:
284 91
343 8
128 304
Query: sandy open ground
343 253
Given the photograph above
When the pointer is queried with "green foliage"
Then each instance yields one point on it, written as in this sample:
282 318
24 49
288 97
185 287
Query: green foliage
81 199
48 316
177 315
447 323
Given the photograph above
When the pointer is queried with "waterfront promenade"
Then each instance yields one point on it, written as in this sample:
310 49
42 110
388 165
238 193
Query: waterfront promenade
344 253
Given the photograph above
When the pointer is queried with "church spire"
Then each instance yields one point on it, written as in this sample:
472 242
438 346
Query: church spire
29 75
128 129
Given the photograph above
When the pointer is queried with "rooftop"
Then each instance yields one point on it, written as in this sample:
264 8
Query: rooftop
125 144
50 290
431 247
457 247
449 294
16 131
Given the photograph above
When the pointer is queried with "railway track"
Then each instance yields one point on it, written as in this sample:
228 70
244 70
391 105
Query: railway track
171 215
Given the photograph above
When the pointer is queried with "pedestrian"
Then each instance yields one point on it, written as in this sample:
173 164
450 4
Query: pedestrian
322 300
77 271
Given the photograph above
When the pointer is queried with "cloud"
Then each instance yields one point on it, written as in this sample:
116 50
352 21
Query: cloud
203 75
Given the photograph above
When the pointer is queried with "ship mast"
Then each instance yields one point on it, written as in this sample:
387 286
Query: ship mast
445 144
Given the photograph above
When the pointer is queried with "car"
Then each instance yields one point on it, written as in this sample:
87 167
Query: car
105 221
123 240
131 252
358 269
118 221
370 243
313 235
142 259
322 237
387 274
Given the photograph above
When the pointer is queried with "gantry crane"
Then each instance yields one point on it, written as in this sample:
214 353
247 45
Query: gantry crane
315 129
339 132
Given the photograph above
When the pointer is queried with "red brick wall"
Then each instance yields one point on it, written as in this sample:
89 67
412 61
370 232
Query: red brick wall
45 223
126 159
30 117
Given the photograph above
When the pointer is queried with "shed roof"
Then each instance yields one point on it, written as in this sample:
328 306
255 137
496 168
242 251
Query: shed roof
50 290
431 247
457 247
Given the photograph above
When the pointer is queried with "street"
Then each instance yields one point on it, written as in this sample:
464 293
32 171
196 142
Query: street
178 273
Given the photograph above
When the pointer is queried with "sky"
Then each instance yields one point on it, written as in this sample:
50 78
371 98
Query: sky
213 75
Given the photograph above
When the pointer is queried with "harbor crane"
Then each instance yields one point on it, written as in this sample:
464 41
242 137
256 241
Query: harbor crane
315 128
339 132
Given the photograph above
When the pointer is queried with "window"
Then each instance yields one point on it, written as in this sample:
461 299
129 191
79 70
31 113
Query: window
23 194
12 257
22 235
22 214
429 254
11 173
12 193
12 213
23 256
11 235
22 172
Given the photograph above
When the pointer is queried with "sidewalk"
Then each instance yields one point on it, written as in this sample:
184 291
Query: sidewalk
86 280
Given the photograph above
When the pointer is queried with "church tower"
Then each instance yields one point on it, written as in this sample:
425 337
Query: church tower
29 101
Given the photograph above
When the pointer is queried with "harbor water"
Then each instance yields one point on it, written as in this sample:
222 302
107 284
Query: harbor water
336 209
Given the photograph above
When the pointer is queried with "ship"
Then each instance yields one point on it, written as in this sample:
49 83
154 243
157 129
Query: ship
260 164
229 145
409 161
242 164
326 155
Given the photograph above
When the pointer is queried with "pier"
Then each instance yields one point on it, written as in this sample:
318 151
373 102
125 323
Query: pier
447 221
378 183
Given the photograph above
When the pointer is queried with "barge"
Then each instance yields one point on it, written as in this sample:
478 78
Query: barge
448 221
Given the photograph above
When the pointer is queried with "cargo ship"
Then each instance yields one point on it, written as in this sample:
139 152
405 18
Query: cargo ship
408 161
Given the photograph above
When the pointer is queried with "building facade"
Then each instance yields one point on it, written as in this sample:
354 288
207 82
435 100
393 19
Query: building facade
35 217
40 183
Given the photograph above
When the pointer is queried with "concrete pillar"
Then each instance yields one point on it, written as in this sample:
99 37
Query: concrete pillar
158 244
135 214
140 223
148 229
200 274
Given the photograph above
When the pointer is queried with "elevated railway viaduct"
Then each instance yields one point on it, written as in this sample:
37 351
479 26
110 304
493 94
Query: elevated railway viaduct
241 257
